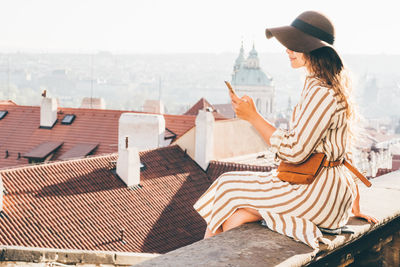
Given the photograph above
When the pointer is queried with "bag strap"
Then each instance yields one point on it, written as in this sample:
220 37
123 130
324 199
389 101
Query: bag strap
350 167
357 173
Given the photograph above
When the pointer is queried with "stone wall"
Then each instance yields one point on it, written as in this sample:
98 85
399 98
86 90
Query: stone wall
22 256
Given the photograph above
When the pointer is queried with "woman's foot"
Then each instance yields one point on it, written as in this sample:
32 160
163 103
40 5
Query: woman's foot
208 232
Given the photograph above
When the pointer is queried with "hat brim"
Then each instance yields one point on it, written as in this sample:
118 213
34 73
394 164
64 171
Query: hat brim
296 40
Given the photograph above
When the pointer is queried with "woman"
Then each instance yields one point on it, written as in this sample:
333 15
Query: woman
320 123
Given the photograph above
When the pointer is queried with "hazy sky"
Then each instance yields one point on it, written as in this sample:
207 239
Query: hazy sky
182 26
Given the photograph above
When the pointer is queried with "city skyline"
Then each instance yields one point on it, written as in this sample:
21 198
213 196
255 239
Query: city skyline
153 26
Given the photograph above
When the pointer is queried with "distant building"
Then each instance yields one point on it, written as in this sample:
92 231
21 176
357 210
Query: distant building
376 153
94 103
371 89
397 130
248 78
153 106
203 104
282 120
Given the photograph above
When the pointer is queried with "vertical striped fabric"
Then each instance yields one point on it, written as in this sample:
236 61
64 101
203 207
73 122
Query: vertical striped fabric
318 124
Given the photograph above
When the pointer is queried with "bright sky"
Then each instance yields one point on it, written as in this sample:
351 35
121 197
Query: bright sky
185 26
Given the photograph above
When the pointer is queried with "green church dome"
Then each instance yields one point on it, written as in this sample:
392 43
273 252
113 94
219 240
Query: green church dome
248 72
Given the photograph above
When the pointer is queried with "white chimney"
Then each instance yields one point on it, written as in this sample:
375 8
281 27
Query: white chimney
48 112
128 163
153 106
145 131
204 142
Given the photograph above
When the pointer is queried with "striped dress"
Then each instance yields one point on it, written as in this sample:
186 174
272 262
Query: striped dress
318 124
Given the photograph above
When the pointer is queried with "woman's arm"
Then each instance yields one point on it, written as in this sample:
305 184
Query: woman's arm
314 118
246 110
356 210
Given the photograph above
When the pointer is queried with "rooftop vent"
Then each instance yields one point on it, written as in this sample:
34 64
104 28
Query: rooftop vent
79 151
3 113
68 119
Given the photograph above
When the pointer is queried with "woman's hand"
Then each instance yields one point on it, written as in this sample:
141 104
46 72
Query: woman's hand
368 218
244 107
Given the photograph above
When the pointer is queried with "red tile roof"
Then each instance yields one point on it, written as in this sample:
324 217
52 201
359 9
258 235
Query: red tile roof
203 104
82 204
20 132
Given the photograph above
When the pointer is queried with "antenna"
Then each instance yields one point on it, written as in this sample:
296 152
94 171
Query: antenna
8 78
91 81
159 88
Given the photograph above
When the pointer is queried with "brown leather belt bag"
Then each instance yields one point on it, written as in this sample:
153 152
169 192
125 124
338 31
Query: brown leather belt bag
306 172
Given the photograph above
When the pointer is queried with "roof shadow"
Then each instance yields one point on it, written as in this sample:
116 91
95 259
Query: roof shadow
94 181
179 224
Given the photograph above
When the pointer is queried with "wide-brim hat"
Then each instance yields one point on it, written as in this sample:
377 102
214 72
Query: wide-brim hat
309 31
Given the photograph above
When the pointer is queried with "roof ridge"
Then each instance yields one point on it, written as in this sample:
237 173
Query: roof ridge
86 109
90 157
55 163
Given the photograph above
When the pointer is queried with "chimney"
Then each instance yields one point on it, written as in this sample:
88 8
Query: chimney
145 131
153 106
204 142
48 111
128 163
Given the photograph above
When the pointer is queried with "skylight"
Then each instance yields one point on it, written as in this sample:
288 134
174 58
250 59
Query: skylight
68 119
3 113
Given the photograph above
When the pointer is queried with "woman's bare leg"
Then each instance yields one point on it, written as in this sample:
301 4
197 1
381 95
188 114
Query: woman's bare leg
208 232
241 216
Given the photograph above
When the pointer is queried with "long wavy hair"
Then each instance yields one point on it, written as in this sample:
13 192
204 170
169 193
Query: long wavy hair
327 66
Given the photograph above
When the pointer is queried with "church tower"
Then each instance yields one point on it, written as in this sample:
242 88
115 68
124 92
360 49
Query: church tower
240 59
249 79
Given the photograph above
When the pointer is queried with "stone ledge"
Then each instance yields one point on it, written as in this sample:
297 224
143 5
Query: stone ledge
47 255
255 245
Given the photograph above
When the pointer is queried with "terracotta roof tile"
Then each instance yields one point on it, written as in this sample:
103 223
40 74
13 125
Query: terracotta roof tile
82 204
20 132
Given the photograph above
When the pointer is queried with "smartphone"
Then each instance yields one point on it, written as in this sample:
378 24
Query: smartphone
230 87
